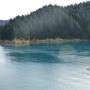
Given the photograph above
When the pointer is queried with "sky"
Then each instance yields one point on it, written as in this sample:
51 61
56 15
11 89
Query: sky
11 8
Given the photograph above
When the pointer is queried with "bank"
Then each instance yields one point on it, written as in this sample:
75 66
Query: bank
34 41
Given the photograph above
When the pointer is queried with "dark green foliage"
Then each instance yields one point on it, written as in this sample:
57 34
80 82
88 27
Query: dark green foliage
81 13
50 22
6 32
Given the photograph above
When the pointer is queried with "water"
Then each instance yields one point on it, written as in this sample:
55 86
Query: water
45 67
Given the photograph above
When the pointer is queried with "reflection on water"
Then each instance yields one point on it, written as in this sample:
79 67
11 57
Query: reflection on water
45 67
68 54
2 55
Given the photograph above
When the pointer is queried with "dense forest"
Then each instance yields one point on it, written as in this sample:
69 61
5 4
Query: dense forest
50 21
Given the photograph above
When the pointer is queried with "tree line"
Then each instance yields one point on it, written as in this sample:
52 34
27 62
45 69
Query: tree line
50 21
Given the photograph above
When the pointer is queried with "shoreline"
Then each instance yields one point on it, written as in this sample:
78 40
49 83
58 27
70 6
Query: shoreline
19 42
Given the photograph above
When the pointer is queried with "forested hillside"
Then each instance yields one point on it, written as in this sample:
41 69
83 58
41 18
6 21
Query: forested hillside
69 22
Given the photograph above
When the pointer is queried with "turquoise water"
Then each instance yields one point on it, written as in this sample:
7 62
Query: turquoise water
45 67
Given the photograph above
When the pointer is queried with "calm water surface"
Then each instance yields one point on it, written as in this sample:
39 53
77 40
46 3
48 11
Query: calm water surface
45 67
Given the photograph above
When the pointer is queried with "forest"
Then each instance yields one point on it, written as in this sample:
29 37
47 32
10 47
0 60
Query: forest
50 22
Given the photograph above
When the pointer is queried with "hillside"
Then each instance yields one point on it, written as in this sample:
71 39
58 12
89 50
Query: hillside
50 22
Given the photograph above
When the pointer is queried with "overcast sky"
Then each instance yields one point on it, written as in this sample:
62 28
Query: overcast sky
12 8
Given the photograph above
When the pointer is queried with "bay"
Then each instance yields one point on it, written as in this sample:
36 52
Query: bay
63 66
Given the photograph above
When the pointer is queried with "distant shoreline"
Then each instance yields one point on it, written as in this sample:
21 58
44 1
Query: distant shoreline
44 41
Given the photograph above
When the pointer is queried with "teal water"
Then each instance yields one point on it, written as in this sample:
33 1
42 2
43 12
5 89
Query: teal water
45 67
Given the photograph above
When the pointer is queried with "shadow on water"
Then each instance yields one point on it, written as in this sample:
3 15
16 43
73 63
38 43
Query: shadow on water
52 53
35 53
